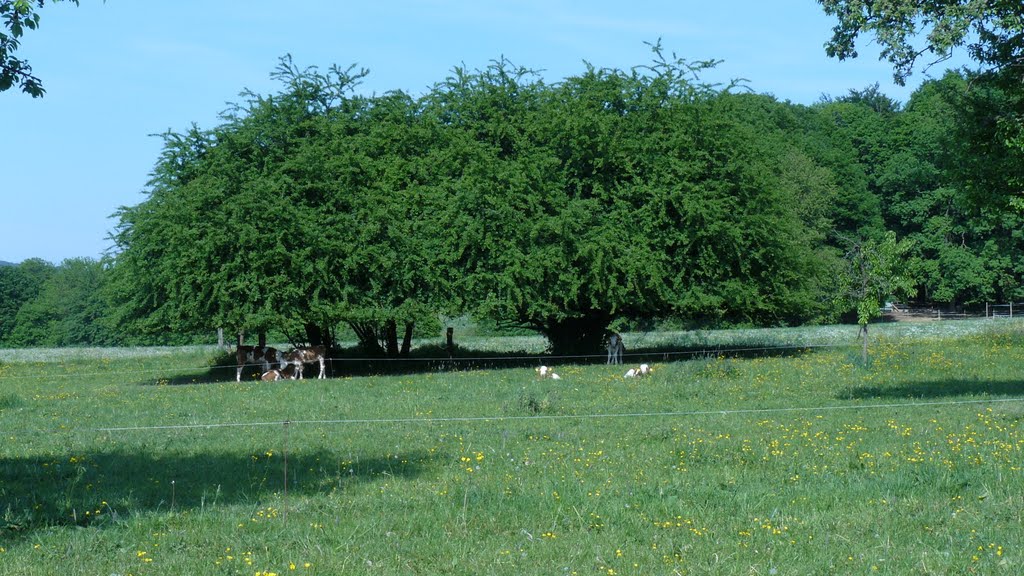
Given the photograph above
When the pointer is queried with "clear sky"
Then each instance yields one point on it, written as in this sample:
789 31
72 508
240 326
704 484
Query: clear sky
119 71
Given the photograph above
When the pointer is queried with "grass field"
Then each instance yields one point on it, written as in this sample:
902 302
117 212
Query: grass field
149 462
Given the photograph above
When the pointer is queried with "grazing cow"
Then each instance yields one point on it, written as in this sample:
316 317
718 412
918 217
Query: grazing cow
615 348
286 373
262 355
642 370
547 372
307 355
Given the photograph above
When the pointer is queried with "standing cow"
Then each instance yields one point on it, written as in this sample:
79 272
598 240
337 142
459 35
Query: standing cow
307 355
263 356
615 348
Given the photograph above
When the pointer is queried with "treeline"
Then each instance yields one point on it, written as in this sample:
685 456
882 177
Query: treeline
68 304
609 197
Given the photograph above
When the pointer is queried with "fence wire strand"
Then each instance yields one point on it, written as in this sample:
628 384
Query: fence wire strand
512 418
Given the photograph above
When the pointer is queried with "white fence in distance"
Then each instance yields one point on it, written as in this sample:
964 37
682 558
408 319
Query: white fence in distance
992 311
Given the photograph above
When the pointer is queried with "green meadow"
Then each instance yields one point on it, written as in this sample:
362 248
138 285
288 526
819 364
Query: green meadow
769 452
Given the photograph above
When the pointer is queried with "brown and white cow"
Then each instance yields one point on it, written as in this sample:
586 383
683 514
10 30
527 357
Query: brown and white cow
547 372
640 371
264 356
307 355
286 373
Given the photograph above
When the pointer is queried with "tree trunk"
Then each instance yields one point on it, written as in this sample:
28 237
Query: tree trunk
864 350
391 338
314 335
328 337
262 339
367 334
407 339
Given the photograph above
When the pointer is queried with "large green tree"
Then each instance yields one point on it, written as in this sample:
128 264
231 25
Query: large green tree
621 194
19 284
68 310
556 207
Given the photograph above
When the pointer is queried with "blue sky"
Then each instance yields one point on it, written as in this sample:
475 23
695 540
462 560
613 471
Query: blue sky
118 71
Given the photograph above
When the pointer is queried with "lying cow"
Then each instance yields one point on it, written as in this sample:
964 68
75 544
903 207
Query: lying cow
264 356
546 372
286 373
640 371
307 355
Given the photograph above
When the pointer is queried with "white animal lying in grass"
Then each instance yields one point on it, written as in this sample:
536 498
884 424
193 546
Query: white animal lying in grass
642 370
547 372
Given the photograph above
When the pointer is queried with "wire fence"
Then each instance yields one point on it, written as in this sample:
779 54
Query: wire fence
280 468
550 417
990 311
505 418
1004 310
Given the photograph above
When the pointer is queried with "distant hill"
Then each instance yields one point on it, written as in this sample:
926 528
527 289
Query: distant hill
2 263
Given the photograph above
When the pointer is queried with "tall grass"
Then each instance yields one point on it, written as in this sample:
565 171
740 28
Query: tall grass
798 464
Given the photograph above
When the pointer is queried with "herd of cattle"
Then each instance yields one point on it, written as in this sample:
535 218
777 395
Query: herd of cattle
279 365
289 365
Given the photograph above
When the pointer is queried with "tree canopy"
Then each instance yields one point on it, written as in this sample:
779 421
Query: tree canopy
908 31
559 208
19 16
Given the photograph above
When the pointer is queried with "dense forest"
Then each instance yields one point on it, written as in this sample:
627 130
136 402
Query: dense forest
604 200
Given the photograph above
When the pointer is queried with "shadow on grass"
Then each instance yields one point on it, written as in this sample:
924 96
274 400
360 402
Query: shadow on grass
98 488
937 389
466 359
428 359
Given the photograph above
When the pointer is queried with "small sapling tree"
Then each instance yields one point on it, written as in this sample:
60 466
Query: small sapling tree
875 273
